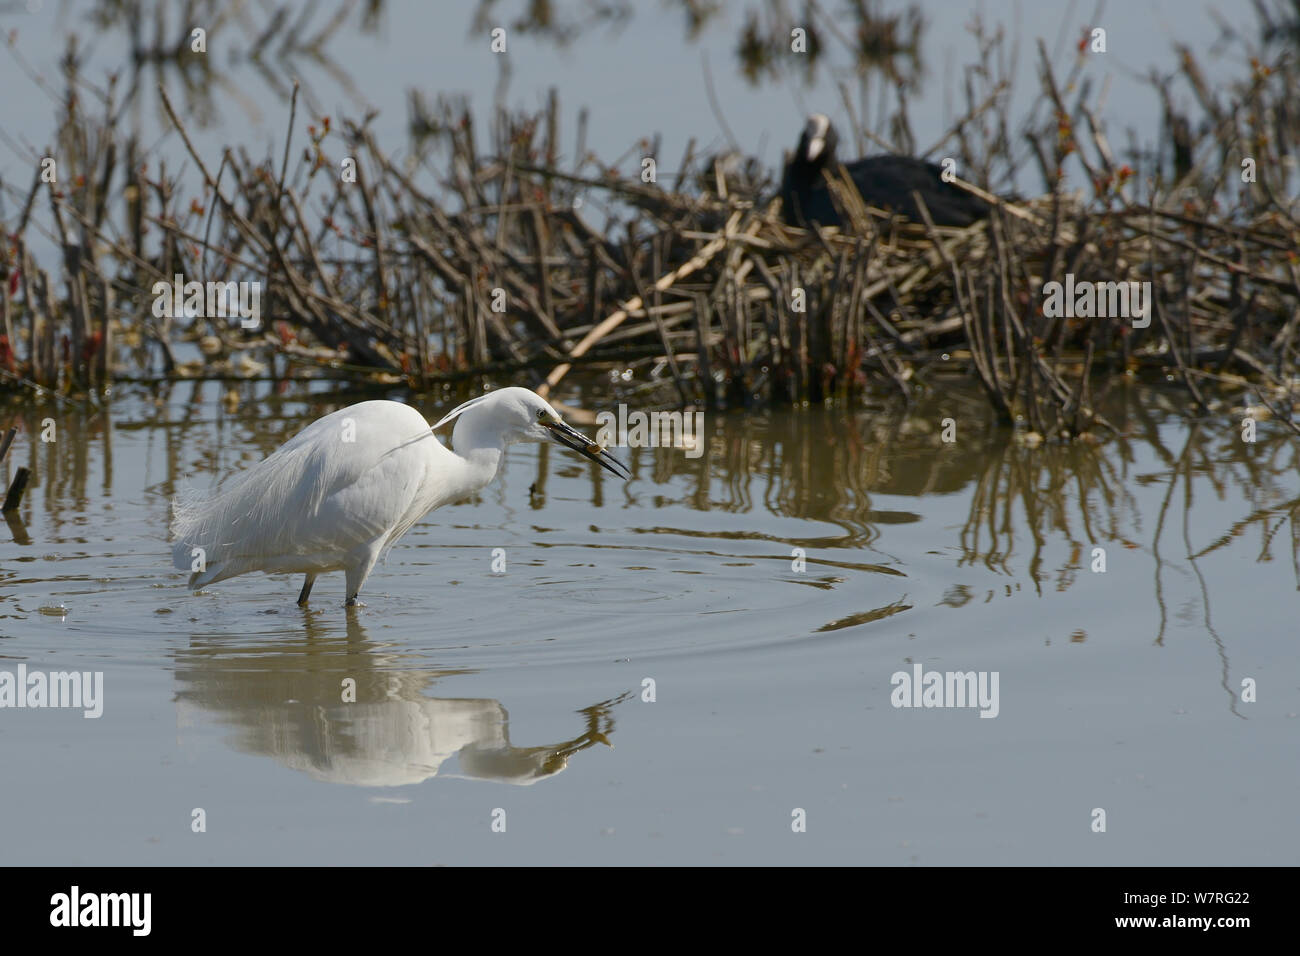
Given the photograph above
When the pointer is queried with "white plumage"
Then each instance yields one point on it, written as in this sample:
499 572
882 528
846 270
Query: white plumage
338 494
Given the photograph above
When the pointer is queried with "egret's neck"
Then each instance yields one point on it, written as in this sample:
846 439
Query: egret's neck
480 454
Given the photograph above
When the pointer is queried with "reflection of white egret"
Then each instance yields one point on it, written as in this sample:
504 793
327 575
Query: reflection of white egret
394 743
339 493
388 743
345 710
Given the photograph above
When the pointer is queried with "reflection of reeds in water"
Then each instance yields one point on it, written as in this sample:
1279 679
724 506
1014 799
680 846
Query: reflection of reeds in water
819 465
1028 503
1035 513
1073 493
61 468
822 465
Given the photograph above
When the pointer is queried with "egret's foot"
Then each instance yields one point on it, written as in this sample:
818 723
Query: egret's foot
354 602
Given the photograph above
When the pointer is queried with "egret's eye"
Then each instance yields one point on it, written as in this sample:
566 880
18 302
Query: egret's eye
541 414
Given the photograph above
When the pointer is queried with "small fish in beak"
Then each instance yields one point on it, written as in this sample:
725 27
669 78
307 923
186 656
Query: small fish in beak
586 447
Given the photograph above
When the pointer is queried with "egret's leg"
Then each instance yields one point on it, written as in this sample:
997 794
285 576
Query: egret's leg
358 571
306 589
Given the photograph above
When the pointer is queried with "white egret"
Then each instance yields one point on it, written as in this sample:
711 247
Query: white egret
338 494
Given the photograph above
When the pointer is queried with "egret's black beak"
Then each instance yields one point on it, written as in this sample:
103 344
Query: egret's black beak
587 448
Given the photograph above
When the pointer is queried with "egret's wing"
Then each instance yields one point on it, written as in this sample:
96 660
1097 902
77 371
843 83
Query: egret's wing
341 482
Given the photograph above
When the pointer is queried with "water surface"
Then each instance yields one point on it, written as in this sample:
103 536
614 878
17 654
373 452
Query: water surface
769 589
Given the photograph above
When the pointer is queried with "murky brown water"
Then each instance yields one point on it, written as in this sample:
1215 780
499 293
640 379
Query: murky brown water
771 590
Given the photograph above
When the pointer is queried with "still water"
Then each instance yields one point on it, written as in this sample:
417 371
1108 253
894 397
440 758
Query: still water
671 669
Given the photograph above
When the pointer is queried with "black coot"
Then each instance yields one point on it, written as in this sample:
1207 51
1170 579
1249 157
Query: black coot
886 182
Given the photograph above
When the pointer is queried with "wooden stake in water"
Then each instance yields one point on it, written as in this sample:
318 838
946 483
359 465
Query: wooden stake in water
20 479
16 490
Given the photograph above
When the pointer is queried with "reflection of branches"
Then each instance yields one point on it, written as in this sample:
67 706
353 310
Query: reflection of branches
1024 502
171 55
873 41
1205 591
1055 487
171 51
61 471
868 41
281 38
1295 544
548 20
1155 552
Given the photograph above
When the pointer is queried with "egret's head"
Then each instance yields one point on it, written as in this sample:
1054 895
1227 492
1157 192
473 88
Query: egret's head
817 144
519 415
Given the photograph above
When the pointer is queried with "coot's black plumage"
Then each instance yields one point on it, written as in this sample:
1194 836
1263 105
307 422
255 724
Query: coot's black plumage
886 182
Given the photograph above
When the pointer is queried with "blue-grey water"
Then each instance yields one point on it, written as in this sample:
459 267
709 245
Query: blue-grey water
645 80
520 698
